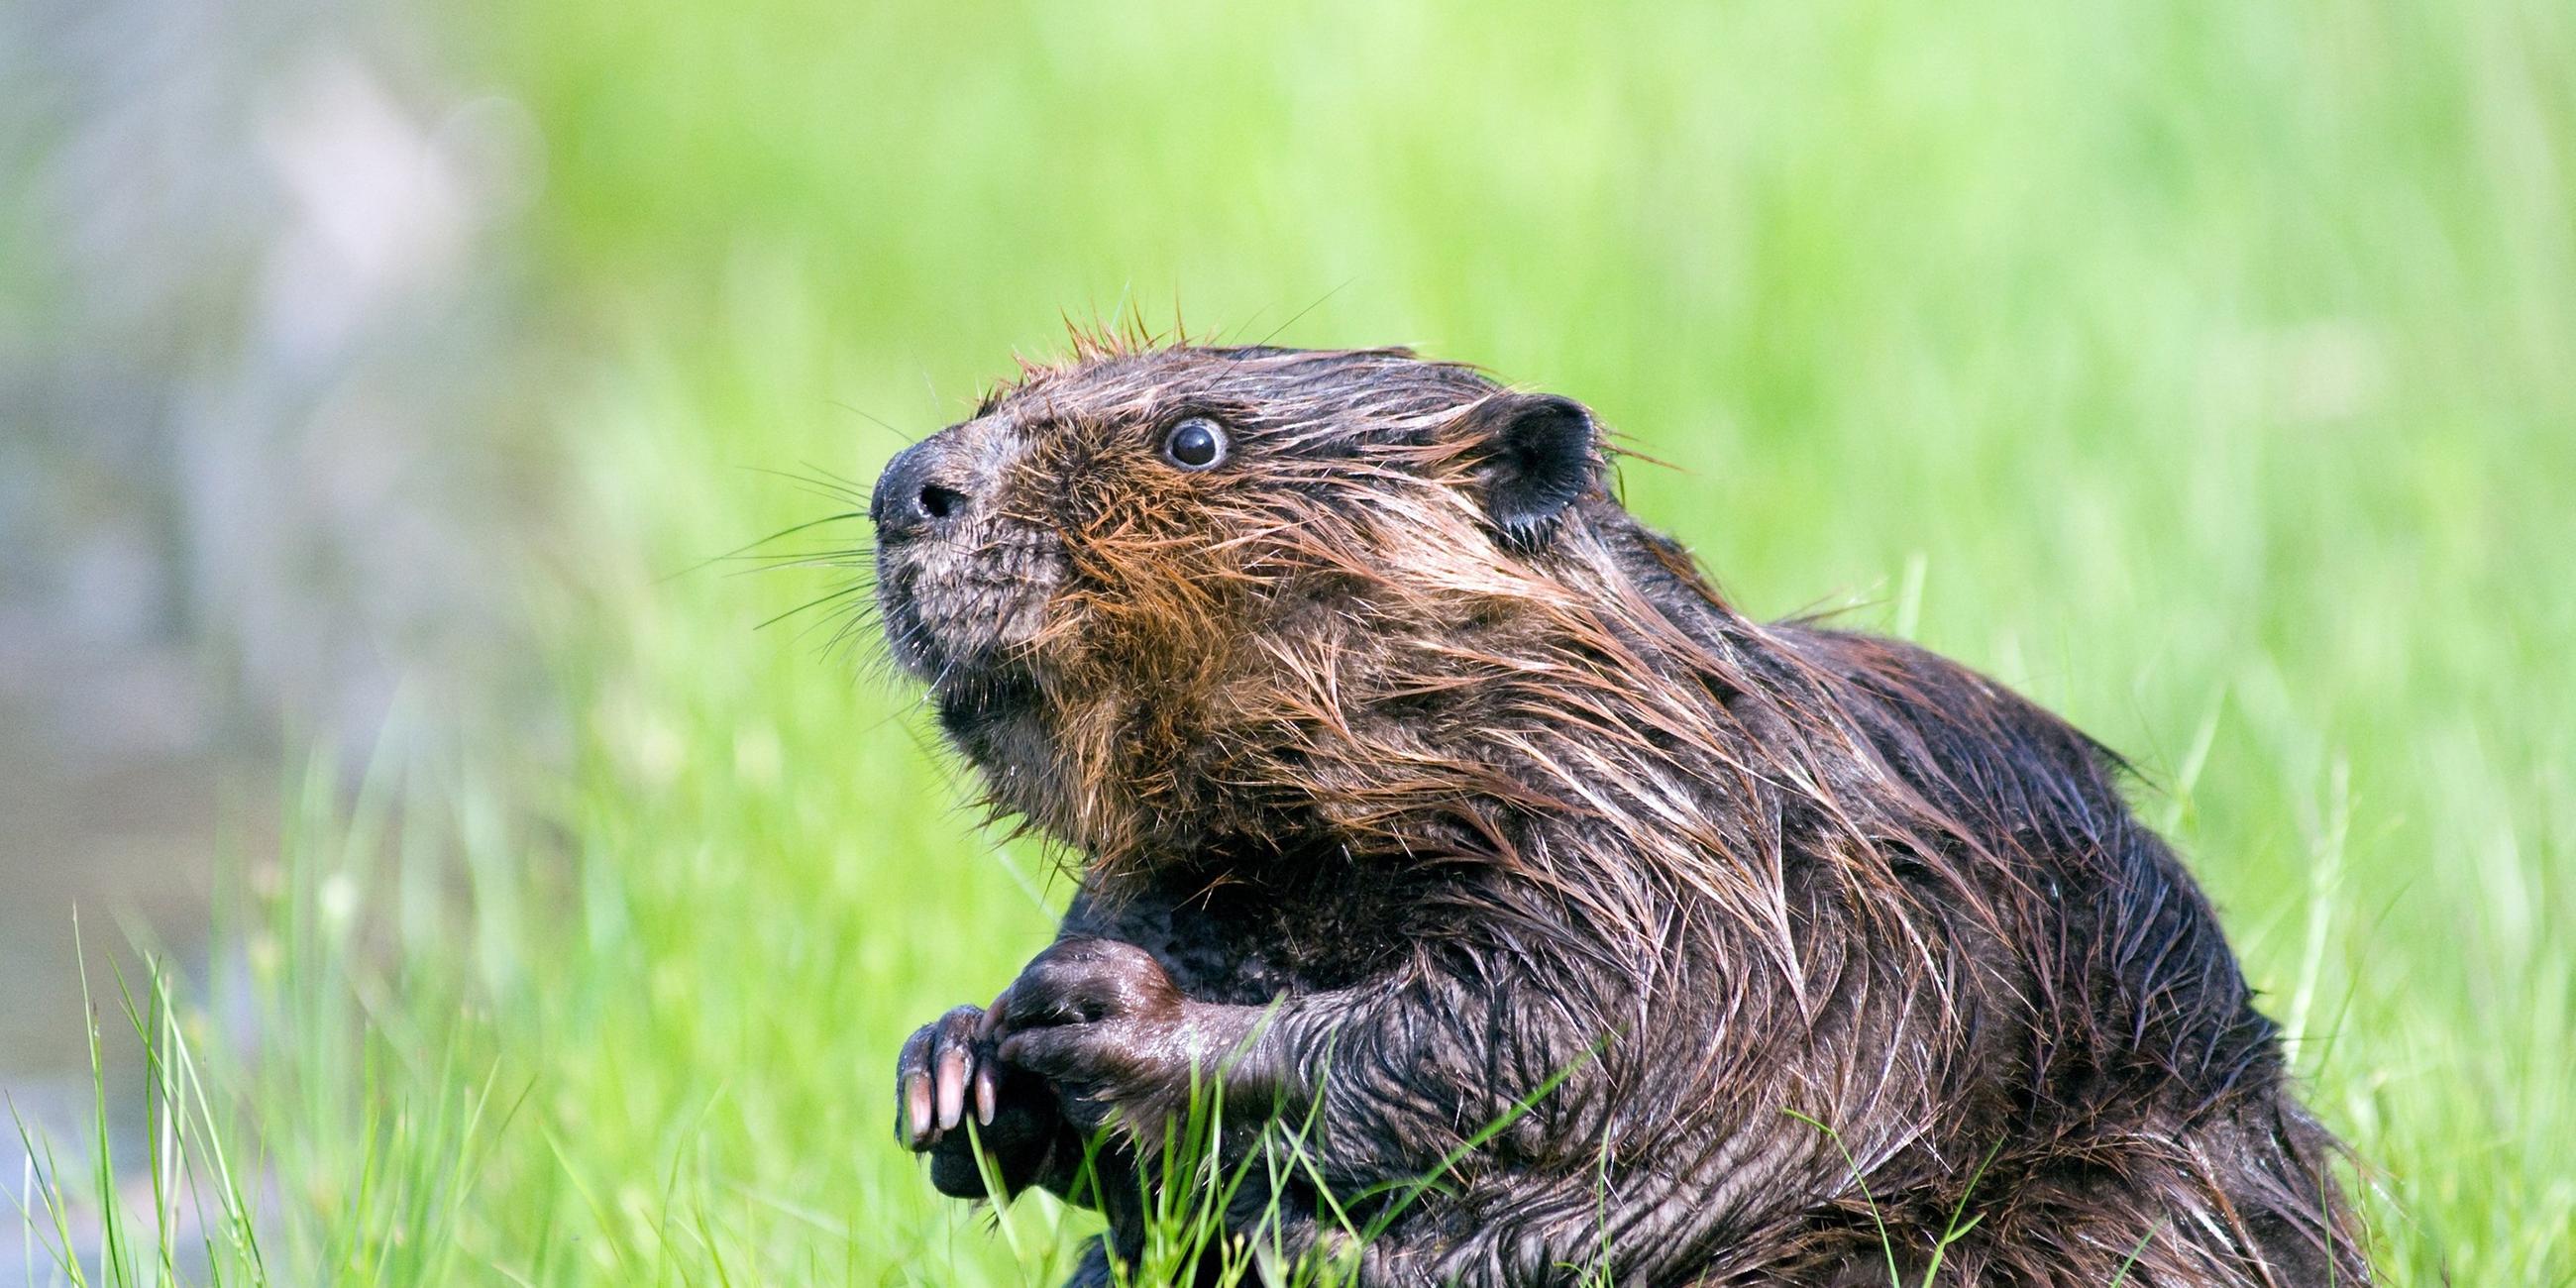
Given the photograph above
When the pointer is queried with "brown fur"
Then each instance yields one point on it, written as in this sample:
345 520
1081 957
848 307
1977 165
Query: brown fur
1476 798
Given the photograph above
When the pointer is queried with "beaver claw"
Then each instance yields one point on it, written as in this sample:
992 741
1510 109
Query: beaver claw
939 1066
952 1064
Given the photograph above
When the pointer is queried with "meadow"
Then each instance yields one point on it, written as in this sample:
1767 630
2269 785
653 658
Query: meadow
2202 369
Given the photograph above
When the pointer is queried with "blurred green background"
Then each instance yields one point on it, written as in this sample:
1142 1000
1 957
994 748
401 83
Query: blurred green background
2202 369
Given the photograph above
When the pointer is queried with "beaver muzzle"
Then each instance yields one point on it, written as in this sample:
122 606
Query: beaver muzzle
961 582
916 497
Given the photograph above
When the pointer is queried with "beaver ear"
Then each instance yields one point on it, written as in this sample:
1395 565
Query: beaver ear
1539 454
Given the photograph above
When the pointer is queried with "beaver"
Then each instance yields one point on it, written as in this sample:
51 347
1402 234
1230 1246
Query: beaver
1427 803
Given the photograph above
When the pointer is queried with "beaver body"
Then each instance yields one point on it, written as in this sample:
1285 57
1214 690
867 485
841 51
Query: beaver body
1423 791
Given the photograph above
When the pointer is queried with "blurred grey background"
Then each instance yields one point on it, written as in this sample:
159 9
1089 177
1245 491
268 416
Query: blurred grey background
256 490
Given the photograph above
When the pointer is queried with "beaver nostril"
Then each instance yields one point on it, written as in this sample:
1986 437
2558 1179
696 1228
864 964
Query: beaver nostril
939 502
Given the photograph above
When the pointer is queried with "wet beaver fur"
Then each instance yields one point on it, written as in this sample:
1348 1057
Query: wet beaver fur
1406 771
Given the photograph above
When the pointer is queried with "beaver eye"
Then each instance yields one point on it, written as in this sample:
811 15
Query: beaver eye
1195 444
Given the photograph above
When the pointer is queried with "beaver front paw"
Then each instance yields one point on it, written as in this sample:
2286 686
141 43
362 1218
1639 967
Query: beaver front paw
1104 1022
1026 1140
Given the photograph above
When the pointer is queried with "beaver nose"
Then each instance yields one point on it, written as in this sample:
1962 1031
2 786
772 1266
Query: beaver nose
907 502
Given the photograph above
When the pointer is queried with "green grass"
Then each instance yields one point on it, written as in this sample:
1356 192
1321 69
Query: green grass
2200 368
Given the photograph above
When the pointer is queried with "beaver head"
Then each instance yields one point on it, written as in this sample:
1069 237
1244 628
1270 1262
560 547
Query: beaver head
1188 597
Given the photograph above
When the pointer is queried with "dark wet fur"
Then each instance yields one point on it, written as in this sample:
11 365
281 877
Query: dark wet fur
1481 797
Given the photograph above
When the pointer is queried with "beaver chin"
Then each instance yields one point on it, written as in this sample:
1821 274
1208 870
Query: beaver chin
995 717
974 700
